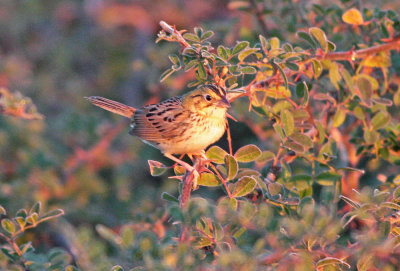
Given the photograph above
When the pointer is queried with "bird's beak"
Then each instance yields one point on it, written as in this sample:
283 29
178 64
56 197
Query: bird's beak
224 103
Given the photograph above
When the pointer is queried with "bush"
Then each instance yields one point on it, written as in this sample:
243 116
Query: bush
311 184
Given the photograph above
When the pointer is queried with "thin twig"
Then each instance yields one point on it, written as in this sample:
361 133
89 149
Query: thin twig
260 17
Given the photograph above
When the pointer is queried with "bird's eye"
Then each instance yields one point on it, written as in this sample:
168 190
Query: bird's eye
208 97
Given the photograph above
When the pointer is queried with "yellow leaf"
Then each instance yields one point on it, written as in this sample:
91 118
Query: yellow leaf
353 16
381 60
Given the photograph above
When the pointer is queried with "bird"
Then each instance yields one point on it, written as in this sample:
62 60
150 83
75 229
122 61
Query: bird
180 125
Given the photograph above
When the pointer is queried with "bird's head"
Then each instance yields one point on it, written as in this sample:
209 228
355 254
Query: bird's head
207 99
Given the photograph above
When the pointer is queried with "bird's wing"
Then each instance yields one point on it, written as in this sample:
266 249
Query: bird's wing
160 122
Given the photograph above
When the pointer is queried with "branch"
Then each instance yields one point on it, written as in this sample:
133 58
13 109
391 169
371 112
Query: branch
394 44
260 17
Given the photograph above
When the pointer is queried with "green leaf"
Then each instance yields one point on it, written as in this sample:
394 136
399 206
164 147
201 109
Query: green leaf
221 50
156 168
191 37
307 37
321 132
33 218
264 43
390 205
231 166
207 35
320 37
244 186
302 139
202 71
371 137
339 117
350 202
265 157
380 120
2 210
279 131
247 153
283 74
328 178
216 154
366 89
117 268
52 214
35 208
240 47
8 225
334 74
166 74
168 197
348 80
331 261
287 121
317 68
294 146
202 242
365 262
292 66
246 53
208 179
248 70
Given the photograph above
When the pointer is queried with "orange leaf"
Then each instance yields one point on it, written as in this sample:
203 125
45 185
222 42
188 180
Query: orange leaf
353 16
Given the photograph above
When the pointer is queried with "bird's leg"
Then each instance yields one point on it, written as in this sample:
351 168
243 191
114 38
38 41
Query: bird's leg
186 166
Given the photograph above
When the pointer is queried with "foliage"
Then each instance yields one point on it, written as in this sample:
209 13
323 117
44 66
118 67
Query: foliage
309 179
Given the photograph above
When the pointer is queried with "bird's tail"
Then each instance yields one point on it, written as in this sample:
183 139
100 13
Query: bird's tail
112 106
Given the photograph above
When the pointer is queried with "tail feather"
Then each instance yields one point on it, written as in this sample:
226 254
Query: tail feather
112 106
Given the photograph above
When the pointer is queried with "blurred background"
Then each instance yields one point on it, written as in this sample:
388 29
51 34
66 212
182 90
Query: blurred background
80 158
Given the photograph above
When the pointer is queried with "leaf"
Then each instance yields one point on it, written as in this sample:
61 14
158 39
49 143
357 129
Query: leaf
279 131
287 121
202 71
365 262
216 154
294 146
353 16
166 74
265 157
232 167
264 43
240 47
2 210
248 70
191 37
8 225
35 208
380 120
390 205
307 37
156 168
244 186
321 132
317 68
246 53
339 117
331 261
334 75
52 214
320 37
302 139
168 197
327 178
247 153
366 89
350 202
283 74
221 50
208 179
207 35
202 242
348 80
